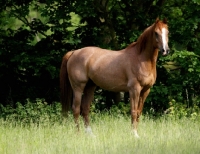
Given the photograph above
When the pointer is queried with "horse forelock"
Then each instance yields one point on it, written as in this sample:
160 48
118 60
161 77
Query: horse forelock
161 24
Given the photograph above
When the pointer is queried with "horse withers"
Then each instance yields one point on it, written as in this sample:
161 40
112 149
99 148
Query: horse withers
132 70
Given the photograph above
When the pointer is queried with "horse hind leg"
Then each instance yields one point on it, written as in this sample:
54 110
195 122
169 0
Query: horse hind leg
77 94
88 96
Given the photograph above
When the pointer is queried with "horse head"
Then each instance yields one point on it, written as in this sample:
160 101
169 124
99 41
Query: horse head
161 36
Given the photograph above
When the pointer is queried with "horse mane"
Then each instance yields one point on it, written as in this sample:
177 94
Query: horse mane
148 34
143 38
131 45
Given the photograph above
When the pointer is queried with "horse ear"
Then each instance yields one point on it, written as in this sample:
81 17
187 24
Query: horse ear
165 20
157 19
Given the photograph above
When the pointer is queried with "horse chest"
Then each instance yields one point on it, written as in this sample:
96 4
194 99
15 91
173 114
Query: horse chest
146 80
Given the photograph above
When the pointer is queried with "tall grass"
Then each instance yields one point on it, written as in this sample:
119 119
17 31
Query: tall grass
113 136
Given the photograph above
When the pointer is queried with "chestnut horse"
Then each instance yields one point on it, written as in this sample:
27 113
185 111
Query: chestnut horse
132 70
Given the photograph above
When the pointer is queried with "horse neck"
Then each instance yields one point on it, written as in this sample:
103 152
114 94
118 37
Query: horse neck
148 59
149 54
145 47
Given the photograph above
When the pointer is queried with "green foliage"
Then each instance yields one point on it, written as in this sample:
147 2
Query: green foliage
179 110
32 112
120 109
188 73
181 80
35 34
39 112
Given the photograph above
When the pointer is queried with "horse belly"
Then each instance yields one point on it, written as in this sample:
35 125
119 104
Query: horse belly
110 82
107 70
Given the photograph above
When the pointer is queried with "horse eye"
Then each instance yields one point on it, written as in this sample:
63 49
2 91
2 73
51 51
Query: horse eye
156 34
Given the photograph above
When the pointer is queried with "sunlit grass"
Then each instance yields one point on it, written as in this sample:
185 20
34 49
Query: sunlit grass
113 136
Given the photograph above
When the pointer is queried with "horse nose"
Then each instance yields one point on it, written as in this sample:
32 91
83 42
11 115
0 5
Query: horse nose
165 52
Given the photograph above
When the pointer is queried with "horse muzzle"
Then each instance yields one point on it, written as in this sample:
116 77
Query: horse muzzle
165 52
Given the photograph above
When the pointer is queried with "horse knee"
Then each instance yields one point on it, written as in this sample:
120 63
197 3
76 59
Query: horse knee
76 109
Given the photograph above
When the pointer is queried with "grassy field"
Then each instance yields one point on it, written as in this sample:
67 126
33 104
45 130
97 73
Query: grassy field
113 136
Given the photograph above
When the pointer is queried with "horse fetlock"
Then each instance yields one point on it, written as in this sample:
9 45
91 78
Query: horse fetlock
135 116
136 113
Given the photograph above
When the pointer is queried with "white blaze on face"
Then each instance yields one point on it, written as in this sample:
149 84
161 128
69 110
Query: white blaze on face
164 41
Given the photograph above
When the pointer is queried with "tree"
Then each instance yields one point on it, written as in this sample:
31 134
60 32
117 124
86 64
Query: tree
31 52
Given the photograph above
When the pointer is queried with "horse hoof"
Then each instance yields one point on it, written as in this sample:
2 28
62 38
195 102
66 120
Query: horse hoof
88 131
135 134
90 134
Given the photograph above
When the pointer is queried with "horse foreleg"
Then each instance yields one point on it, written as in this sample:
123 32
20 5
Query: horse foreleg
143 96
134 94
87 99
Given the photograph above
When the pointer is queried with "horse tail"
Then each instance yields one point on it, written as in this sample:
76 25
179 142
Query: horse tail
65 86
